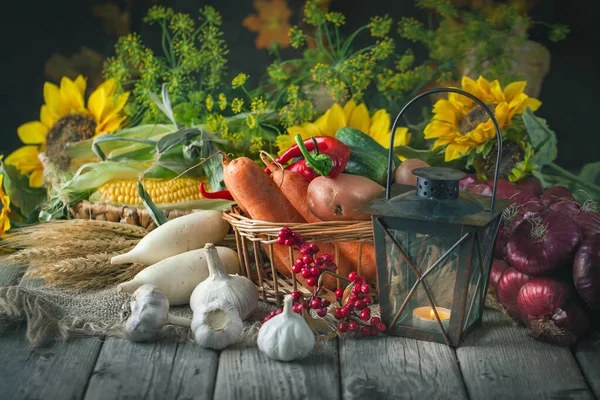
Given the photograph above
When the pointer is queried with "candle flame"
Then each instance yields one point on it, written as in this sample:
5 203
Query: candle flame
432 314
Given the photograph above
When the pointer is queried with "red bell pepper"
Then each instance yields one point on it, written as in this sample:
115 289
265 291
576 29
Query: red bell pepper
220 194
323 155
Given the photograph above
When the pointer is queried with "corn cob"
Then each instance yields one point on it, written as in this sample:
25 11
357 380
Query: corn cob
161 191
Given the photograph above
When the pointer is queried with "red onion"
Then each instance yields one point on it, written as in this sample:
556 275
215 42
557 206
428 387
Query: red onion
586 271
555 193
498 268
509 285
505 188
468 181
480 188
551 311
542 243
588 222
525 205
566 206
531 185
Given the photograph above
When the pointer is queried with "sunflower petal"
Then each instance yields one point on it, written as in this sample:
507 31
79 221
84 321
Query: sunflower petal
514 89
81 83
110 126
380 128
32 132
349 109
335 119
97 103
25 159
36 179
454 151
112 111
52 99
109 86
70 95
402 137
496 91
46 116
360 118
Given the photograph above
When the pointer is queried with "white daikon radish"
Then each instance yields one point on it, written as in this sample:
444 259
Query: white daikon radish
189 232
177 276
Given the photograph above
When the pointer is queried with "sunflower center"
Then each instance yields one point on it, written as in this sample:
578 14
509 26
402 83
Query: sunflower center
72 128
473 118
512 154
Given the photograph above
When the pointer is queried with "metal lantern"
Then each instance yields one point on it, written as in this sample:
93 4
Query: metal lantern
434 248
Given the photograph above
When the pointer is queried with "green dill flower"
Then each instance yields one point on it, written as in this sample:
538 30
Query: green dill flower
443 7
158 13
313 14
236 105
406 61
558 32
297 37
210 103
321 73
115 68
277 72
257 143
258 104
411 29
222 101
383 49
380 26
181 24
337 89
292 93
211 15
130 48
336 18
251 121
236 138
239 80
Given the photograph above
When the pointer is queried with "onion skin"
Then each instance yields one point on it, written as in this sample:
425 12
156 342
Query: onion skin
403 173
531 185
525 205
567 207
588 222
586 271
498 268
509 285
554 194
551 312
505 188
540 255
465 183
480 188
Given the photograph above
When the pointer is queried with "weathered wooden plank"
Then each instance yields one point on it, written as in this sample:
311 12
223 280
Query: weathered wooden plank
500 361
159 370
60 371
194 373
246 373
587 353
399 368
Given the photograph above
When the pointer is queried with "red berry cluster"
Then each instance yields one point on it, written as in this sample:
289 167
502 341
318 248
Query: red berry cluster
357 309
315 303
308 266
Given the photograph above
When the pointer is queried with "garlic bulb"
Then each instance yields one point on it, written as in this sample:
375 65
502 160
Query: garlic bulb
149 314
287 336
216 325
236 290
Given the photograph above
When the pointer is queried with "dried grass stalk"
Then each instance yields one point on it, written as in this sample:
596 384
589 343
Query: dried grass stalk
93 271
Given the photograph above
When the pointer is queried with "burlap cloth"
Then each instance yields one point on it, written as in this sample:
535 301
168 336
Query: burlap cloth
58 313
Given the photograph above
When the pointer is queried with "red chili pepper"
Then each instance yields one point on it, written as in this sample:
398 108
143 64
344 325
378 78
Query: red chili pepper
220 194
323 155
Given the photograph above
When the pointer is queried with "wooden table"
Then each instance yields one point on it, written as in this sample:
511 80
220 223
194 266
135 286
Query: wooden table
497 361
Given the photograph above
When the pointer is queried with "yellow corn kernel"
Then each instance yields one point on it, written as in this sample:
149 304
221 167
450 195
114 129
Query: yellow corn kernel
161 191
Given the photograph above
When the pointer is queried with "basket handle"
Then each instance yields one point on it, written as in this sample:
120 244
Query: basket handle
446 90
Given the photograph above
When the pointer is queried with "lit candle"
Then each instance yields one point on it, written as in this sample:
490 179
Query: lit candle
424 318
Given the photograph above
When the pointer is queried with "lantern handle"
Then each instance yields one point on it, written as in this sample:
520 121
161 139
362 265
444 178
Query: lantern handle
446 90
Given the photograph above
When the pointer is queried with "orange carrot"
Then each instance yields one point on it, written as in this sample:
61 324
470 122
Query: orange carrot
294 187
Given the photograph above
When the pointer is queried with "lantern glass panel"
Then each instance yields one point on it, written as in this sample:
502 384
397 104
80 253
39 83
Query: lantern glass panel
474 289
423 250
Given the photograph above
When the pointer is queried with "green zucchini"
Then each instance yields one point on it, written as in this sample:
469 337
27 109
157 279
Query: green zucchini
367 157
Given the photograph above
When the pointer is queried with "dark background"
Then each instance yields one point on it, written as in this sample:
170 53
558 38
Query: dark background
31 31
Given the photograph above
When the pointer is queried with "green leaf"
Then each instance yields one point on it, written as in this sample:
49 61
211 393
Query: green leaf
93 175
16 186
590 172
108 137
542 138
213 167
181 136
157 215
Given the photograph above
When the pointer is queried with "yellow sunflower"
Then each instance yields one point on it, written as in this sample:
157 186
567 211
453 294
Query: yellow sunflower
461 125
378 126
65 108
5 208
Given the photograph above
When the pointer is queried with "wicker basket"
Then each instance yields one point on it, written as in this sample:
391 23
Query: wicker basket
255 240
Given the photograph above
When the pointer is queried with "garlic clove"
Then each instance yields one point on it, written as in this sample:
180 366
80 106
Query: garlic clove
149 313
236 290
287 336
216 325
